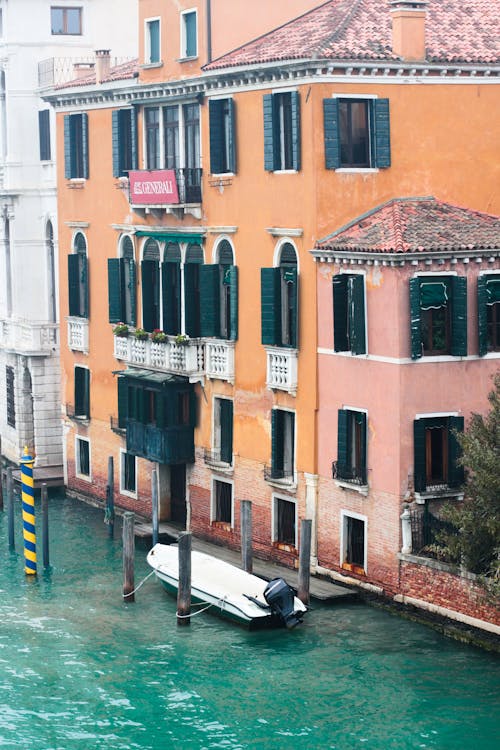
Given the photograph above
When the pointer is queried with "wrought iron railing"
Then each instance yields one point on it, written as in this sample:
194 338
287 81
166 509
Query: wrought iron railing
353 474
425 530
189 184
273 474
214 457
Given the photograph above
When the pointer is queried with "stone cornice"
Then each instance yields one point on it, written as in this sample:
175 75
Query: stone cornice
434 257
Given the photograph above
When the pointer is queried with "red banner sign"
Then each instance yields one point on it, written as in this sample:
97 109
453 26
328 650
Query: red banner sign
156 187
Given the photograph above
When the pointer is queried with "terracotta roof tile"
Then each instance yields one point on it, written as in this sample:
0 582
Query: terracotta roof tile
456 31
416 225
128 69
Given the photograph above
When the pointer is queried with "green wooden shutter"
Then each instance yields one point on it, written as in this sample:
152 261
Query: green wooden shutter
81 392
85 145
361 416
357 315
415 333
459 316
171 280
68 166
84 277
115 303
233 292
271 306
115 141
295 101
122 402
343 444
216 115
226 430
192 299
419 458
161 398
455 471
210 300
231 146
331 133
482 315
340 316
133 138
148 269
277 443
132 291
290 276
74 284
270 145
382 133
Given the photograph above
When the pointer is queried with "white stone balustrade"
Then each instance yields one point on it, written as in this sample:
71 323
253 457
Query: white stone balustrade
282 369
78 334
220 360
28 337
186 358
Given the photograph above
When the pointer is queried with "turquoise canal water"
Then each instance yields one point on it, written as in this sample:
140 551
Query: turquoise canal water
81 670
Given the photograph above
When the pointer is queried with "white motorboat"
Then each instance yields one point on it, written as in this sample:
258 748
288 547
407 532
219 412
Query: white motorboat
229 590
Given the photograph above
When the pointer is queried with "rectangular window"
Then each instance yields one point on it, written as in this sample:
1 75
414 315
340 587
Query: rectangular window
44 134
124 141
357 133
78 285
438 307
351 447
282 131
171 136
279 306
82 392
223 430
152 128
436 453
222 136
66 21
223 502
10 394
285 522
219 301
122 290
153 41
76 164
488 308
353 555
128 473
189 34
349 313
282 444
82 457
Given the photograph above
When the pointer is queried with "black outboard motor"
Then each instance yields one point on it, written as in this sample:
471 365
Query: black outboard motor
280 597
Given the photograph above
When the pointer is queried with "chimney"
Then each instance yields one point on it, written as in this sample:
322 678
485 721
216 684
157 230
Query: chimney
102 64
408 28
82 69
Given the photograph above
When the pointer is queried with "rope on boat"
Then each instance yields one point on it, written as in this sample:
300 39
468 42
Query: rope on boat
220 603
139 586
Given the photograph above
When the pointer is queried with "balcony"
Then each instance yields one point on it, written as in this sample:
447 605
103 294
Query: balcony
219 362
186 358
168 445
175 191
216 460
29 338
78 334
282 369
284 478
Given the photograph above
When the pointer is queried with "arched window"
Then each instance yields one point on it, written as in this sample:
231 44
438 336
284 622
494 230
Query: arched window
194 259
279 300
78 278
171 289
288 277
219 295
150 273
122 280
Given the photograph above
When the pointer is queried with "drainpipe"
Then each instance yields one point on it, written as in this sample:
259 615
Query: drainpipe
209 30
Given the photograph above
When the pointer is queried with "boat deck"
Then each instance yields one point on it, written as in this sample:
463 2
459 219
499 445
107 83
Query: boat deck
52 476
319 588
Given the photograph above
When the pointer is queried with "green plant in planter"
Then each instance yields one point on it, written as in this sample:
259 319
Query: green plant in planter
182 339
159 336
121 329
141 334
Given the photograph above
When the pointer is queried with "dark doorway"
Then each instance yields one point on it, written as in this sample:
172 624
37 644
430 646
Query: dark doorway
178 494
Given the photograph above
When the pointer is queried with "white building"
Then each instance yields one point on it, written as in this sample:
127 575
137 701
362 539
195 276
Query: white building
40 43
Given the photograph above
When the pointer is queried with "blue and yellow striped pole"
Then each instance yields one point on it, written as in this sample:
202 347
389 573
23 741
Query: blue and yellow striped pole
28 499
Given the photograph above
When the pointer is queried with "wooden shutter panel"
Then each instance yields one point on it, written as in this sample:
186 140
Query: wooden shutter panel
331 133
115 306
209 300
148 269
132 291
160 408
193 408
74 284
291 273
233 314
216 115
459 316
81 392
270 145
133 138
231 146
455 471
68 167
44 134
415 334
382 133
482 315
115 141
363 467
419 459
171 281
226 430
85 145
271 306
192 299
122 402
295 100
340 318
84 277
357 315
277 443
343 444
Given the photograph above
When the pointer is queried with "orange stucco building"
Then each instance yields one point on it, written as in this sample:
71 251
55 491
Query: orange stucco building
192 189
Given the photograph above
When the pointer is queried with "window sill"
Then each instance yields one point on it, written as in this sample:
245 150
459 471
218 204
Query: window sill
286 547
150 65
362 489
84 477
357 170
128 493
285 171
187 58
288 483
437 493
223 525
76 183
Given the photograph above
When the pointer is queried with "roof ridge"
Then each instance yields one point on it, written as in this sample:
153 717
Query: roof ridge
397 222
337 33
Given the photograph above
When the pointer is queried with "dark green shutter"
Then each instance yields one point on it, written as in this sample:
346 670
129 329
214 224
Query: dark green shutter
233 293
343 444
290 275
68 167
115 305
160 408
226 431
115 141
482 315
357 315
382 133
415 333
85 145
295 101
459 316
277 443
271 306
132 291
171 280
133 138
331 133
74 284
148 270
455 471
270 145
340 317
419 457
231 146
210 300
84 277
361 416
81 387
122 402
216 115
192 299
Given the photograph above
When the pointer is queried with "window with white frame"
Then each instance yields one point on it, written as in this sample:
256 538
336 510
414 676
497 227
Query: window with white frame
65 21
222 502
189 33
282 445
152 41
82 457
284 521
349 313
128 473
353 542
223 430
78 286
122 284
279 300
281 131
219 295
357 133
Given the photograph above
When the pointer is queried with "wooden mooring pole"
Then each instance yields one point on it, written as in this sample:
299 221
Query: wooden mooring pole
246 536
10 508
45 527
109 515
184 590
154 506
1 475
128 556
304 561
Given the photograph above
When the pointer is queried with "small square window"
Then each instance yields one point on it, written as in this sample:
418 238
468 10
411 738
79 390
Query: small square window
66 21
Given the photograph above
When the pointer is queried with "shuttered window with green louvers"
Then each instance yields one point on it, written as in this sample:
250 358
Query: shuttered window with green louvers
124 141
356 133
351 447
282 444
78 283
436 453
76 155
82 392
224 430
282 139
279 306
438 316
349 313
222 136
488 312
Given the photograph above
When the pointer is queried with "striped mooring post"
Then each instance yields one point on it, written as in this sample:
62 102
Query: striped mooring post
28 502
